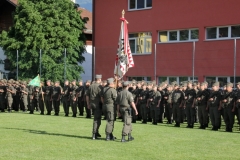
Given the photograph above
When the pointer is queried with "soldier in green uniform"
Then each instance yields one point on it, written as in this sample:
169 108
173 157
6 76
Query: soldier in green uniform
10 92
215 106
108 97
74 98
80 91
16 100
124 102
24 96
190 97
229 102
153 102
93 102
142 99
41 98
30 95
161 111
48 90
56 97
2 108
238 102
202 100
177 103
134 92
138 105
35 100
66 98
168 104
88 111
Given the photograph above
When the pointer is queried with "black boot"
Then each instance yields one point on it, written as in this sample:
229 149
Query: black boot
93 136
203 127
123 139
74 115
112 138
144 122
130 138
108 137
98 135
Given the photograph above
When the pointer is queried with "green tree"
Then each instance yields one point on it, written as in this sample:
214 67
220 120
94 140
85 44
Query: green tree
49 25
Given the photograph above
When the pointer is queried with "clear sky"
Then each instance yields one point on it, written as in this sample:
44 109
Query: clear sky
85 4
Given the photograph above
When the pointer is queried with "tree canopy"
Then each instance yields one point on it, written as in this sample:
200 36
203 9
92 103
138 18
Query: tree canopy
49 25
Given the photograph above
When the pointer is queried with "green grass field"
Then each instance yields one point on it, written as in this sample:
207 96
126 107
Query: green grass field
25 136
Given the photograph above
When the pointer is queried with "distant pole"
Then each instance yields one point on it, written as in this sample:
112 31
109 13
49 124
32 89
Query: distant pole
193 61
40 63
65 55
17 65
155 63
235 54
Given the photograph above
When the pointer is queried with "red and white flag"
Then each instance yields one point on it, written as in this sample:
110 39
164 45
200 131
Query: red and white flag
124 59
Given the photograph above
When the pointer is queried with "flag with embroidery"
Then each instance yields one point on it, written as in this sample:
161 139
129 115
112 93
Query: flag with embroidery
35 82
124 59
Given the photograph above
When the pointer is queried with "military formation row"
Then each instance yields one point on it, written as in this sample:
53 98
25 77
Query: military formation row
191 102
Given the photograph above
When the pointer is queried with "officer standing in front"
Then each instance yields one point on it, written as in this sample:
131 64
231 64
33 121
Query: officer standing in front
93 101
124 102
108 97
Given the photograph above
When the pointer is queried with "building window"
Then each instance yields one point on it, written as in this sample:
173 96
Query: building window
140 43
179 80
222 80
225 32
139 4
139 78
179 35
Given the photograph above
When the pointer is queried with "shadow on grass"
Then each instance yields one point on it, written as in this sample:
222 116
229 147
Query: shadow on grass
50 134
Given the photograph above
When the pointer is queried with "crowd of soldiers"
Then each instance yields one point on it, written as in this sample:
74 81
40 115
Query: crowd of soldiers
132 101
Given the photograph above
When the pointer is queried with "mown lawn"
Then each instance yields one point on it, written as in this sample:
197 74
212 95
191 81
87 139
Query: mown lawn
24 136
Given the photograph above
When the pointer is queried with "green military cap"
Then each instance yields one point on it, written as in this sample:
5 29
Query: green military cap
88 81
224 86
238 83
184 84
194 84
154 82
80 80
203 84
125 84
161 85
190 82
168 86
144 84
176 85
98 76
104 81
110 80
74 80
57 82
48 80
215 84
155 86
229 84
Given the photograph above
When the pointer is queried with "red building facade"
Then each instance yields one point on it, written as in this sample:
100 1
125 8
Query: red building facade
171 40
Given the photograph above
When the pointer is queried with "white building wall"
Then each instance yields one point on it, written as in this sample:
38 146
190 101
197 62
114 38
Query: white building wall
87 64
